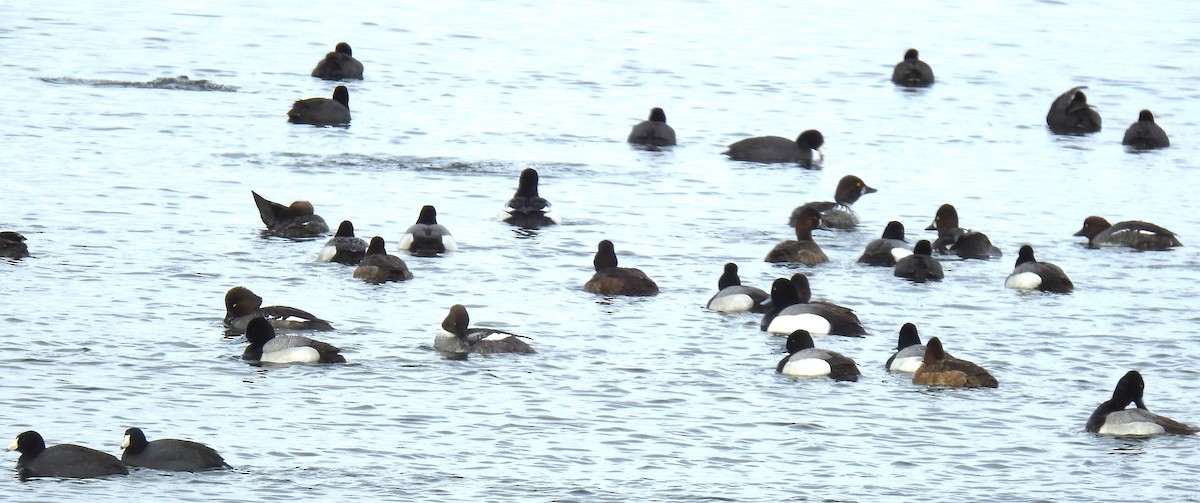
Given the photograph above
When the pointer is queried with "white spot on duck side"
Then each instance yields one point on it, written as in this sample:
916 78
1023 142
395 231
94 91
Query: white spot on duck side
298 354
1023 281
806 367
405 242
899 253
1138 429
327 253
907 364
786 324
498 336
734 303
448 242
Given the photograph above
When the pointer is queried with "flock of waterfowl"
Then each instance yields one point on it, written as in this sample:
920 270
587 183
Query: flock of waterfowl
788 309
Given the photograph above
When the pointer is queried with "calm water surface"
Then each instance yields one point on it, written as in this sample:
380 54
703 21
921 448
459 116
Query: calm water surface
136 203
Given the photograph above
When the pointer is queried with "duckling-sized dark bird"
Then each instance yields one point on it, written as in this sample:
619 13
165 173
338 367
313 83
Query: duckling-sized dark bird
654 131
912 72
339 65
773 149
323 111
1071 114
1145 134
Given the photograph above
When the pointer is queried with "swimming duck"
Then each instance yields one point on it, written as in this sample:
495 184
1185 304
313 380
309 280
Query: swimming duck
962 242
941 369
379 267
427 237
343 247
889 248
294 221
912 72
1145 133
456 337
797 311
169 454
12 245
805 360
267 347
322 111
1029 274
802 249
1134 234
339 65
769 149
526 208
733 297
1071 114
837 214
910 353
612 280
63 460
1112 418
242 305
920 266
654 131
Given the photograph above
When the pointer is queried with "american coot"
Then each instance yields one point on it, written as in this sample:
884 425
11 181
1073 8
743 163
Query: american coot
654 131
1134 234
322 111
63 460
1145 133
169 454
339 65
1071 114
771 149
12 245
612 280
912 72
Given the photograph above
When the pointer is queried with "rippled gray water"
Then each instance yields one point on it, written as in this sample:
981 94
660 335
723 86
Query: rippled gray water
136 202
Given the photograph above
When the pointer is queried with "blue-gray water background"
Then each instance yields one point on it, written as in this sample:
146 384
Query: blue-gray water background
136 203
